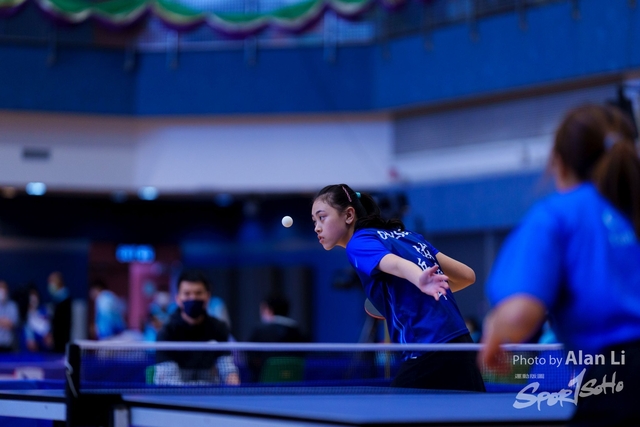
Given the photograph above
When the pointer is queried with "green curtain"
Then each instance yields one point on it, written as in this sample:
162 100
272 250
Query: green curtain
120 13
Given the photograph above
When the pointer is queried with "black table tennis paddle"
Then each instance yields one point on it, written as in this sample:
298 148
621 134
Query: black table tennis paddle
372 311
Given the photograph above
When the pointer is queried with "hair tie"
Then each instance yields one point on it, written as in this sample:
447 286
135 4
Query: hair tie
611 139
358 194
347 193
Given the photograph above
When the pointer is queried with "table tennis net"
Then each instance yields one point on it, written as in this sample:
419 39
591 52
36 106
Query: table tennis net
112 367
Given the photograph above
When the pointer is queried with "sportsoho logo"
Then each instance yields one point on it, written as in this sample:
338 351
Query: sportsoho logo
528 396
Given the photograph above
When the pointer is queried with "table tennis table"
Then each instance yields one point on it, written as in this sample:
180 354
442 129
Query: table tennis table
278 410
106 384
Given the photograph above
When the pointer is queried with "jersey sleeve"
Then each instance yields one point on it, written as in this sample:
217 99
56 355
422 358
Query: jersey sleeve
365 252
530 261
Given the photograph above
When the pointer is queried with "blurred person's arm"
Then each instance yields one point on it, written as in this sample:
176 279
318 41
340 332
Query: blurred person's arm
10 319
29 338
514 320
48 340
167 373
228 370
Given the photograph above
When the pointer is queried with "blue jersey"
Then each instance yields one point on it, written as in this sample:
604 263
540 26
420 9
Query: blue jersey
109 314
579 255
412 316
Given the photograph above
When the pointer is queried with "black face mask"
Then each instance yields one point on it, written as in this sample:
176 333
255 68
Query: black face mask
194 308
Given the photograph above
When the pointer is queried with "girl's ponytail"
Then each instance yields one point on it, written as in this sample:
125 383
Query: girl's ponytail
617 177
373 218
598 144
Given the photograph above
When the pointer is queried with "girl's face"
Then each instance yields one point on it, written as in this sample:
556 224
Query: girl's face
332 227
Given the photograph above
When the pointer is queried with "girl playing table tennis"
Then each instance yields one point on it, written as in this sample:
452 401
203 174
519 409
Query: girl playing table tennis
577 255
408 281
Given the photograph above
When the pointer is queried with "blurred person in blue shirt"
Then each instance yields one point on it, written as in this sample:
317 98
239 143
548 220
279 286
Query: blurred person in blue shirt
37 323
109 311
575 256
9 319
158 315
218 309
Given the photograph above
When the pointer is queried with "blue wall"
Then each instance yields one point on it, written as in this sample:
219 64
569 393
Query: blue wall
554 48
497 202
282 81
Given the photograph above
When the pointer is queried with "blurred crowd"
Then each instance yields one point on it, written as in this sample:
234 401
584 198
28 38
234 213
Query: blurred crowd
36 321
28 324
33 322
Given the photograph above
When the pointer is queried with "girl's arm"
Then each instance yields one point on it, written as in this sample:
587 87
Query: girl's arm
428 281
460 275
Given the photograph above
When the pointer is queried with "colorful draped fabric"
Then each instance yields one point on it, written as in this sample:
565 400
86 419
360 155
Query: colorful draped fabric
122 13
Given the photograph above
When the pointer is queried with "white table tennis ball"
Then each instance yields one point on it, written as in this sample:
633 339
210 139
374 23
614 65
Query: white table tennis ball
287 221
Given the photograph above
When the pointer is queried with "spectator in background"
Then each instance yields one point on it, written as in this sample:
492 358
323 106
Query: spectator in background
152 326
191 322
60 333
275 324
109 311
160 306
36 322
215 308
158 315
275 327
9 319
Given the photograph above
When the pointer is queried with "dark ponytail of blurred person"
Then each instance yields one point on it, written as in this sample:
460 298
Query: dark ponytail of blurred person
341 196
598 144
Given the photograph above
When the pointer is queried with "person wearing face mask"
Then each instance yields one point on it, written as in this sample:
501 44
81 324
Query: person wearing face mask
8 319
61 313
192 323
